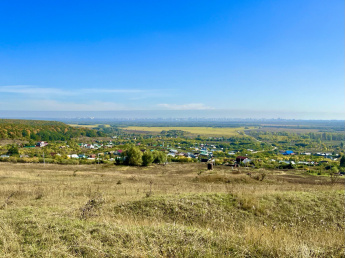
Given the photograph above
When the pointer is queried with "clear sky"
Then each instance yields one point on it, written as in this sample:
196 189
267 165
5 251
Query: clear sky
253 58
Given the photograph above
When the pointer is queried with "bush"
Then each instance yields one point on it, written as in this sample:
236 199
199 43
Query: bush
13 159
71 162
87 161
159 157
147 158
133 156
183 159
13 150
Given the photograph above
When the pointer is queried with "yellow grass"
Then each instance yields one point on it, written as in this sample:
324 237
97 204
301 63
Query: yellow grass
177 210
205 131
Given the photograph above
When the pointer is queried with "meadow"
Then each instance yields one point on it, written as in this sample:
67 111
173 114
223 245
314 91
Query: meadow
174 210
205 131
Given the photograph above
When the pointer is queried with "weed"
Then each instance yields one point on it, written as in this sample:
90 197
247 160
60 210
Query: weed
148 194
334 177
92 205
133 178
39 194
260 177
7 201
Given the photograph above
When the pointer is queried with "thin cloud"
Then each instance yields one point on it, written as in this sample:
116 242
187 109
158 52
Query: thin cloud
52 105
33 90
191 106
113 91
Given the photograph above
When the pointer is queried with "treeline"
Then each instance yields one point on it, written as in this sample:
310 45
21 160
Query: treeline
324 136
36 130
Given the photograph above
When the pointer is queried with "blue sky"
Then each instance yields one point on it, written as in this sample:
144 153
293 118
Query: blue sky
265 58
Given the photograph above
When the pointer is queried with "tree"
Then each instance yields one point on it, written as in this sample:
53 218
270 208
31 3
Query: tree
133 156
147 158
342 161
159 157
13 150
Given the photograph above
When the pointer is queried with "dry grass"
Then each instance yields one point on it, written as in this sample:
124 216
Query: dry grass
75 211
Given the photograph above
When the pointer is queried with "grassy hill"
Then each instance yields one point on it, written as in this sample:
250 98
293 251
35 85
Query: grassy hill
174 210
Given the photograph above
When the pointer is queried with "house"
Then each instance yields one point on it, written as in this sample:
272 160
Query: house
73 156
41 144
92 156
118 152
89 146
305 162
247 161
204 152
240 159
288 152
287 162
190 155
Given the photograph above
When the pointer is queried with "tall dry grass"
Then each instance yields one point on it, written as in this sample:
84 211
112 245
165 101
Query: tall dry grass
83 210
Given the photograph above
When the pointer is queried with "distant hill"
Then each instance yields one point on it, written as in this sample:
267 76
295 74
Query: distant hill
38 130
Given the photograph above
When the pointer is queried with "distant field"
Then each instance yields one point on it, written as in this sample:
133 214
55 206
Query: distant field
206 131
289 129
88 126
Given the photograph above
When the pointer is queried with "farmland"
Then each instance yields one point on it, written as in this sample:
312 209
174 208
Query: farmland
204 131
173 210
90 126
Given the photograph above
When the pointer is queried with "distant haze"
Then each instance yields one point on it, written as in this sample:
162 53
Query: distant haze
168 114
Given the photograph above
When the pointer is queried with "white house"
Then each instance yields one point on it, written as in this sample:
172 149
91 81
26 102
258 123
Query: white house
41 144
73 156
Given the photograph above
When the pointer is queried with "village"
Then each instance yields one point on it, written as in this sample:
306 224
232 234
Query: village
173 148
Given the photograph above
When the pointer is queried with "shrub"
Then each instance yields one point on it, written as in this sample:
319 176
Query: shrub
133 156
159 157
147 158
